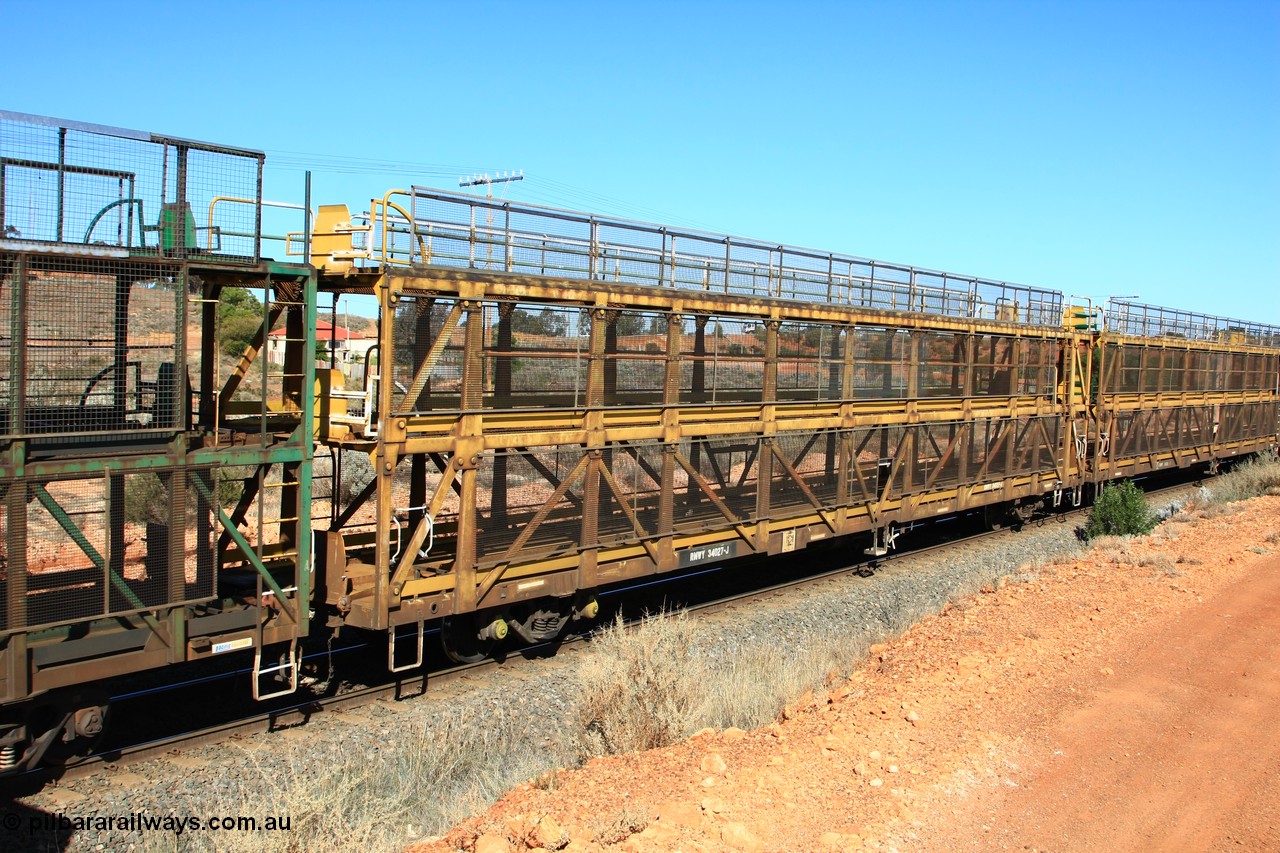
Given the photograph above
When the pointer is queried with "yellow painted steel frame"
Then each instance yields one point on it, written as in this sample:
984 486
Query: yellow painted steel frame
377 593
1148 413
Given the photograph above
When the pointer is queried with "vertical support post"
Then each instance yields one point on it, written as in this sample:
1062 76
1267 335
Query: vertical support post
306 217
764 457
209 357
468 516
602 380
62 179
299 359
175 570
18 351
385 457
670 416
697 394
120 352
610 361
833 391
180 219
304 539
422 342
257 213
16 544
910 446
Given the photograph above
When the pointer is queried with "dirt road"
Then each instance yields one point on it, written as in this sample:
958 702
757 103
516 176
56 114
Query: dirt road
1180 752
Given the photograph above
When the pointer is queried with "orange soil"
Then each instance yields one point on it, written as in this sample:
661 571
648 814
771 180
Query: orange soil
1122 701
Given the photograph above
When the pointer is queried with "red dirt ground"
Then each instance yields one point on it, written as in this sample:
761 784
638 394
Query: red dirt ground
1125 700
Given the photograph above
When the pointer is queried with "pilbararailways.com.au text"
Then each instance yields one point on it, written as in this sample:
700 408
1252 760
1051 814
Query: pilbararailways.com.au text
60 822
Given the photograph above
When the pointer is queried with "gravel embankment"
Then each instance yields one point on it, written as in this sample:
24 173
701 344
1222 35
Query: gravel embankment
389 773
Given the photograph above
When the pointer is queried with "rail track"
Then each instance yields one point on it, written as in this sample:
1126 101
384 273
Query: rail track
300 713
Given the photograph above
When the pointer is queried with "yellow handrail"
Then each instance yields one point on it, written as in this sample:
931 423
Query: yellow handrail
237 200
385 203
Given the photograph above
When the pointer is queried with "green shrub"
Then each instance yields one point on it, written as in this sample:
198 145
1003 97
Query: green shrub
146 499
1121 510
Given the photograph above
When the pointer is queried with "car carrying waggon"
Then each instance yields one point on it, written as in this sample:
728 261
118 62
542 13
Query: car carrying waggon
549 403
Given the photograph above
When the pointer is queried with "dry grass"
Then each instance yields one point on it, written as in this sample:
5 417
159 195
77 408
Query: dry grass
653 684
1162 563
1111 549
618 826
424 779
1257 476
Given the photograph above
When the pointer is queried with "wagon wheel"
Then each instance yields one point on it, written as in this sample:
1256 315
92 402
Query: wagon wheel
471 637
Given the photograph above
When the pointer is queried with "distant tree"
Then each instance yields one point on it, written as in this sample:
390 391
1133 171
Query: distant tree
629 323
239 317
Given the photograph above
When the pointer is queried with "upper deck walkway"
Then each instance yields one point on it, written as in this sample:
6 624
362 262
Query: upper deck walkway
430 227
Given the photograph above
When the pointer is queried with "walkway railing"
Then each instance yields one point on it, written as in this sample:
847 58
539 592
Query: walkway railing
1134 318
442 228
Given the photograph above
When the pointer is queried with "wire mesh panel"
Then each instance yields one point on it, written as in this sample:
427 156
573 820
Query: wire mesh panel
1134 318
722 360
1007 447
728 469
810 361
1247 421
99 546
519 487
942 364
630 496
536 355
808 469
881 359
635 348
458 230
1132 369
422 325
99 340
123 191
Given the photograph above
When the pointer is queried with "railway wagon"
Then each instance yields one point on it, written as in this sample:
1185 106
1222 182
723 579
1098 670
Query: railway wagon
554 402
127 436
563 401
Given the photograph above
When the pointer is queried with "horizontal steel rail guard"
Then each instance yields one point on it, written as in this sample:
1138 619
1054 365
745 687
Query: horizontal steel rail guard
1134 318
462 231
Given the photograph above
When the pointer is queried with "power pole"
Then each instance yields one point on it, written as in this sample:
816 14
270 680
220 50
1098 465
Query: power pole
487 182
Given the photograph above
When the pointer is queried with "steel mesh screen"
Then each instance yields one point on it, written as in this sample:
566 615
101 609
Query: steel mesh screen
101 545
1133 318
130 191
722 360
810 361
515 486
635 471
1131 369
942 364
418 323
63 581
636 357
100 347
536 355
6 563
730 467
460 230
815 459
881 361
1245 421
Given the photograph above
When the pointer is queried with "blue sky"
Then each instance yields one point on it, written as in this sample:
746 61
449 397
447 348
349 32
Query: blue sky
1094 148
